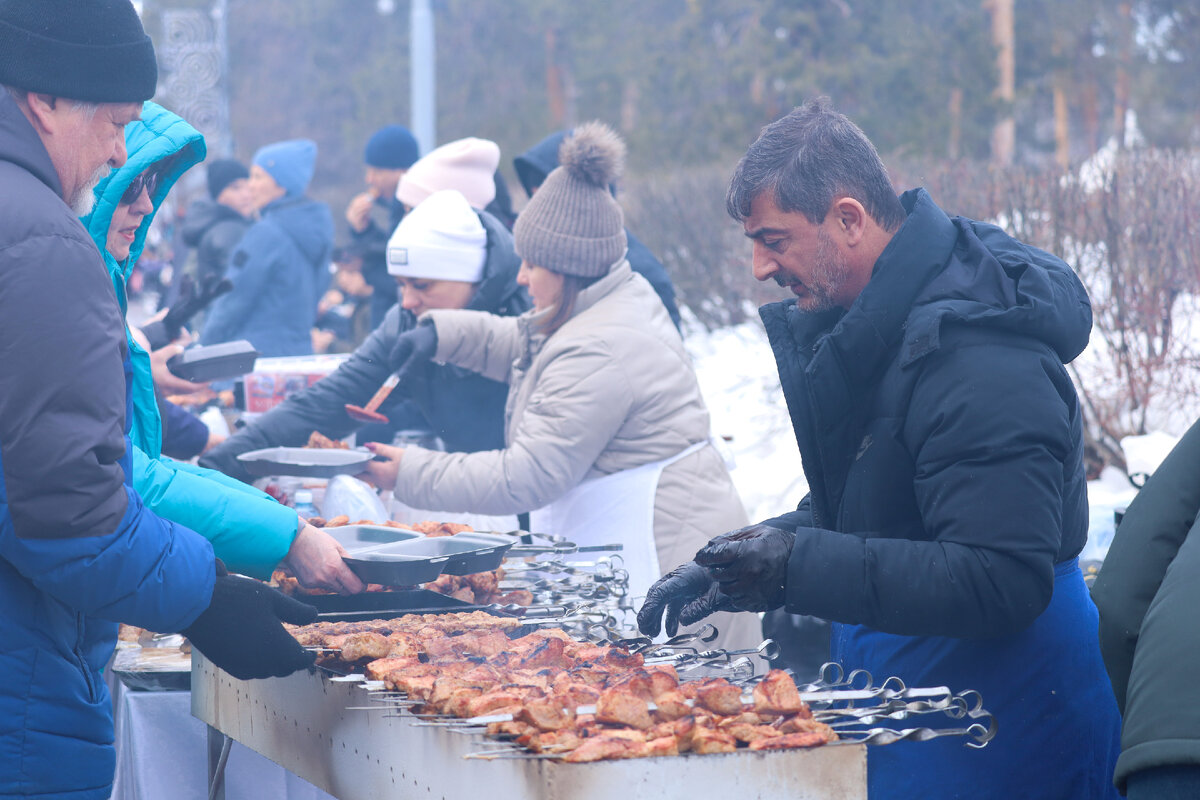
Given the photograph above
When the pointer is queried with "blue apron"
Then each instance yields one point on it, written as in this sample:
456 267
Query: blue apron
1058 728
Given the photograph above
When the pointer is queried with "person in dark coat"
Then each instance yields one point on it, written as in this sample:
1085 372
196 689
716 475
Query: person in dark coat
465 409
79 552
280 269
537 162
389 153
941 436
1148 592
215 225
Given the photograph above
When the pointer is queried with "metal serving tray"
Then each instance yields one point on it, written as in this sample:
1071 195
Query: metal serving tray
304 462
356 538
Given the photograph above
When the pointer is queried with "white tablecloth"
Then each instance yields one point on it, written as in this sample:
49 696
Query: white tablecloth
162 752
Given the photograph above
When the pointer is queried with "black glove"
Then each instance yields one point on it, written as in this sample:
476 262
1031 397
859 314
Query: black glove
750 564
689 594
191 301
241 630
412 349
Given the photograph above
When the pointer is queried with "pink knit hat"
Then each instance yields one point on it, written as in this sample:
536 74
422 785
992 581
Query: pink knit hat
467 165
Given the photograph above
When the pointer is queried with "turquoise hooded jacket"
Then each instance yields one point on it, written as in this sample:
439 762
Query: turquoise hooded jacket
248 529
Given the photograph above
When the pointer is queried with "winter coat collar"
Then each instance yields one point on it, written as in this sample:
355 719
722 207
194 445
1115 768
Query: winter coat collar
20 144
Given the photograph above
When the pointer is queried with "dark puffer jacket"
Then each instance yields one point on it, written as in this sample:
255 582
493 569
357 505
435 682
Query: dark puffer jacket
942 441
214 230
279 271
1148 592
911 410
78 550
539 161
465 409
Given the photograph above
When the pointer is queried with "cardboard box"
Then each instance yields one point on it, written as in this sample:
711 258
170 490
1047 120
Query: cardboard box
276 379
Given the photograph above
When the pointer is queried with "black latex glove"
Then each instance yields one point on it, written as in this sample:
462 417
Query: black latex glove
412 349
750 564
191 301
241 630
688 593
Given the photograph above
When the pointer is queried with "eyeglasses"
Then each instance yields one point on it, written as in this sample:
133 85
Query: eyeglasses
147 180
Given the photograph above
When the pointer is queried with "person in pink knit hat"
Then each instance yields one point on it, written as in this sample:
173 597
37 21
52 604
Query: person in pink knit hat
467 165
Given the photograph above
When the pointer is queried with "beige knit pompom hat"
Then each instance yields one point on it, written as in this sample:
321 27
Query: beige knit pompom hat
573 225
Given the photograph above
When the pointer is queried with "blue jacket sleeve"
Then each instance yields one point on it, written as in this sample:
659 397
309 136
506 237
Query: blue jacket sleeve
184 434
250 270
248 530
145 561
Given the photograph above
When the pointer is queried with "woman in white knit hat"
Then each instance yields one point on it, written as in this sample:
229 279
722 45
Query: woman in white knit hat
607 435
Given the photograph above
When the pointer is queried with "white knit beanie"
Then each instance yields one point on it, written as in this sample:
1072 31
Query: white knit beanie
442 239
468 165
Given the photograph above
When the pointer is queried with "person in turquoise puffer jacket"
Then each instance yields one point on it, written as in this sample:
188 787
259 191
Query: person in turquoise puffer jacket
248 529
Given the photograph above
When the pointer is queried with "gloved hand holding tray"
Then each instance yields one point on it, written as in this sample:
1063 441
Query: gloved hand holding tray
305 462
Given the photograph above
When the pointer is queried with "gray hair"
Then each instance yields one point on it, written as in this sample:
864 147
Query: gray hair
88 108
808 159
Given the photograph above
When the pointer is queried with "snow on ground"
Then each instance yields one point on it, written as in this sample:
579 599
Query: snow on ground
737 376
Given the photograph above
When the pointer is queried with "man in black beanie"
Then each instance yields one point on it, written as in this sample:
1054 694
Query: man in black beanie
215 225
78 550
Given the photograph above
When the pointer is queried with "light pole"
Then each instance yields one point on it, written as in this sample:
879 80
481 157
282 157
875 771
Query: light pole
422 75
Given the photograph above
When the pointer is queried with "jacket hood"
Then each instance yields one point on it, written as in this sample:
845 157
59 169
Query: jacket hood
537 162
159 134
1015 287
306 222
19 143
202 214
499 292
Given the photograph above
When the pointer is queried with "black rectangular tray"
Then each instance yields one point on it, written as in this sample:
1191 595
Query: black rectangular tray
304 462
214 362
386 605
488 555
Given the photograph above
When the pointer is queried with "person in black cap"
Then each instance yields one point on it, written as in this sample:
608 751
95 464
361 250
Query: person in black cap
390 151
78 549
214 225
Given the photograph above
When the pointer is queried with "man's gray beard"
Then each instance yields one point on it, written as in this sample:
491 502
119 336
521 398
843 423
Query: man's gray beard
85 199
830 274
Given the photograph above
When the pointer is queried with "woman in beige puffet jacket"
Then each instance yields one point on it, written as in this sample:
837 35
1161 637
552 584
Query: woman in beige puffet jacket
599 382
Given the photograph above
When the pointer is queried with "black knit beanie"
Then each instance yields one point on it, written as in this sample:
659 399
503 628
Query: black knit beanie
90 50
223 172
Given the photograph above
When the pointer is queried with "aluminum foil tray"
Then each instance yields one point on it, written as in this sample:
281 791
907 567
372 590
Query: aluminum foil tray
304 462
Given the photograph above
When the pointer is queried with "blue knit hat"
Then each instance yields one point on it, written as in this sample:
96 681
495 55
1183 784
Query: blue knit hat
290 163
392 147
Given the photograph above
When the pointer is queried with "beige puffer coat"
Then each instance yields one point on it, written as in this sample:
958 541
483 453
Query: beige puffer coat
610 390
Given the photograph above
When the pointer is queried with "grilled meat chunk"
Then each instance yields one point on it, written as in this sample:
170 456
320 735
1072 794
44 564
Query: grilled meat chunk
776 693
619 707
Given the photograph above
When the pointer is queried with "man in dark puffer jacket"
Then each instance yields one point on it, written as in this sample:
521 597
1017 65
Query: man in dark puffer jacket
922 363
79 552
